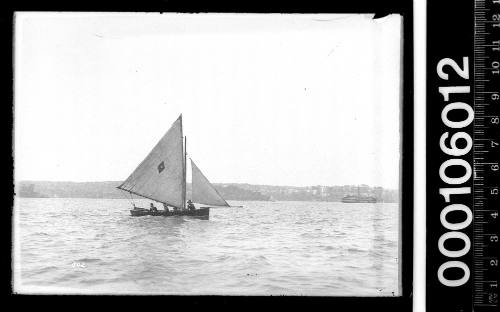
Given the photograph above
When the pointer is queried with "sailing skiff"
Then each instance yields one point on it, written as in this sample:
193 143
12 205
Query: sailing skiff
161 177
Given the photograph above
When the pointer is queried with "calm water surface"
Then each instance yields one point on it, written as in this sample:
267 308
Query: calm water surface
66 245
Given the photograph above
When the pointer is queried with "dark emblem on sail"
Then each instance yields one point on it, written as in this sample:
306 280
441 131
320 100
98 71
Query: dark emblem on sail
161 166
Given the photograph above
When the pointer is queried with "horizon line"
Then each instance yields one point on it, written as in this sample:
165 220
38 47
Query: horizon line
119 181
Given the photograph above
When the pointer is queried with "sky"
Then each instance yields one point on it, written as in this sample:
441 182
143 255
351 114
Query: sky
295 99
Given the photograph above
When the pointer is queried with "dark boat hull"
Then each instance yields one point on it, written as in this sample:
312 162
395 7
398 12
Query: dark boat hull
202 212
355 199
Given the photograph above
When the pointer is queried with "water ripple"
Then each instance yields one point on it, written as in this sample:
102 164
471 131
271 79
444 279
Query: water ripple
264 248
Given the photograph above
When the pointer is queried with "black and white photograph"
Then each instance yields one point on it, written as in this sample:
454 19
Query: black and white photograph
230 154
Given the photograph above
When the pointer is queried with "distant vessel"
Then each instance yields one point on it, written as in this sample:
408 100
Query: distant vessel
359 198
161 177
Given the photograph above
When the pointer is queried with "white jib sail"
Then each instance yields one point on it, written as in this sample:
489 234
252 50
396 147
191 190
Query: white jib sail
160 174
203 191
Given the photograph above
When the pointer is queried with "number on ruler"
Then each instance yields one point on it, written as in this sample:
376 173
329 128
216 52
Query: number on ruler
494 67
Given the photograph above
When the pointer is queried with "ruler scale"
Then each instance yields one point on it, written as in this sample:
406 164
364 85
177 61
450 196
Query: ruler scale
486 155
463 156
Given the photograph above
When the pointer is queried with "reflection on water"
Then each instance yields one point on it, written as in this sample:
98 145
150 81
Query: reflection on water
294 248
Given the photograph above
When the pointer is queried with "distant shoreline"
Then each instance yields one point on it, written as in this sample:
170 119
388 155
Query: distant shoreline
238 200
230 191
117 182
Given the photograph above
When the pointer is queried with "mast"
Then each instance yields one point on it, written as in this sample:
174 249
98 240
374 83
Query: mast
185 171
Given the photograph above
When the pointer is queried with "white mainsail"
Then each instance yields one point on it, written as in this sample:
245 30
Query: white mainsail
160 176
203 191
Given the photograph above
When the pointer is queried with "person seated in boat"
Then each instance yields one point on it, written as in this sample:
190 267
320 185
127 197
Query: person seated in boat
152 208
190 205
165 206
